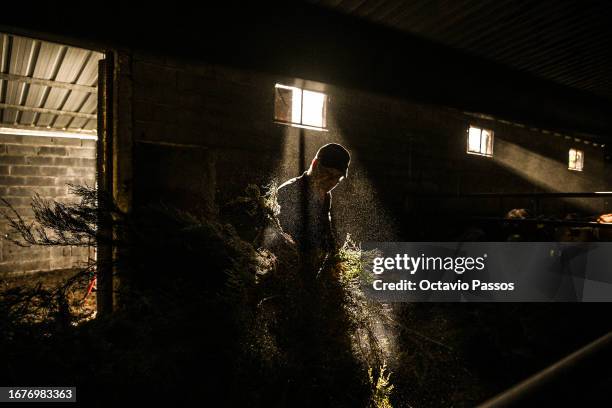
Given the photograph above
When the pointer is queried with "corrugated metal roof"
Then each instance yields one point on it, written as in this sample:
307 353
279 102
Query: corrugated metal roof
22 59
567 42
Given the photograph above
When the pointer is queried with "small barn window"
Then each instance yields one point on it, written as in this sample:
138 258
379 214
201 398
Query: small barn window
576 160
480 141
300 107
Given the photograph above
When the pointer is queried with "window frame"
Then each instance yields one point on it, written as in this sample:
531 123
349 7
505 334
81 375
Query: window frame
301 124
569 159
479 152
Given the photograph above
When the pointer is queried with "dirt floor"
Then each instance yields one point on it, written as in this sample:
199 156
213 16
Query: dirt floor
81 304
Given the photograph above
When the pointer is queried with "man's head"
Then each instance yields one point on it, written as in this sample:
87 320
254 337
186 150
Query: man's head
330 166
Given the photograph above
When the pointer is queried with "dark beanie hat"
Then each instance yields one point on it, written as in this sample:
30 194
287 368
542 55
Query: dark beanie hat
335 156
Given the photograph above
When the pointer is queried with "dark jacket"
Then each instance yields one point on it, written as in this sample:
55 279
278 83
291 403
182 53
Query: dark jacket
305 216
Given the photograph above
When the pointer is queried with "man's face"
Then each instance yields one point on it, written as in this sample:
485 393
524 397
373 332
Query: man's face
328 177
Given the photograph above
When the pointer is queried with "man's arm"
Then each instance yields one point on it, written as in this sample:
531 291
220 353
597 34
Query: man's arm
332 243
286 200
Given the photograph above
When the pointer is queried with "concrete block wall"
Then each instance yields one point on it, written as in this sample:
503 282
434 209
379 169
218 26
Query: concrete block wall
208 131
43 165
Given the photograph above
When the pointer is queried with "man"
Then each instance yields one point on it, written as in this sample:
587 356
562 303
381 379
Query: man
305 203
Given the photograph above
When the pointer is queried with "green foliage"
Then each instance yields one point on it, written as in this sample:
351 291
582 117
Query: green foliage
381 388
350 260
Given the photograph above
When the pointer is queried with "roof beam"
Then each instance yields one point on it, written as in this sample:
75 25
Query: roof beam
25 130
49 111
48 82
30 130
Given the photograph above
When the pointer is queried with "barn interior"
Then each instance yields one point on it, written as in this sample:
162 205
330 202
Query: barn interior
48 95
466 120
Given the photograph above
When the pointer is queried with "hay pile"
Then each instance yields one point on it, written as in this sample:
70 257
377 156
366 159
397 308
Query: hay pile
222 296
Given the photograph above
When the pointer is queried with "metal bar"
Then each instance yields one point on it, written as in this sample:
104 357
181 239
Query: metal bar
563 376
49 83
516 195
544 221
49 111
298 125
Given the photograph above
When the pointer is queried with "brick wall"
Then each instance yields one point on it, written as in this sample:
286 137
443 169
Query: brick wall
30 164
202 133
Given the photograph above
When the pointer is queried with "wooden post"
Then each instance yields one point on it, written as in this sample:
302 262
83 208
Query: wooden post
122 151
114 166
104 269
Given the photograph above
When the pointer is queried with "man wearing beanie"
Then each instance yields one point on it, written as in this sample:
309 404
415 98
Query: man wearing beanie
305 203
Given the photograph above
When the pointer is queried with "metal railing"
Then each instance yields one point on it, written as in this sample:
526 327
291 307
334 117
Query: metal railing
564 377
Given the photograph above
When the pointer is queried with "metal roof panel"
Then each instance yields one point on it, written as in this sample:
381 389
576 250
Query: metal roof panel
37 59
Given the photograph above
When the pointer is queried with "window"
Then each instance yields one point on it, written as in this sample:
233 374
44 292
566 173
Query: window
576 160
480 141
300 107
